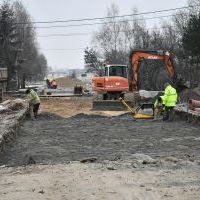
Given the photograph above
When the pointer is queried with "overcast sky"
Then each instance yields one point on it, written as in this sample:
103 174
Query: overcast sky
72 55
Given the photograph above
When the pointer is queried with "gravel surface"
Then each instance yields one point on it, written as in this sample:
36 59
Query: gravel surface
53 139
130 159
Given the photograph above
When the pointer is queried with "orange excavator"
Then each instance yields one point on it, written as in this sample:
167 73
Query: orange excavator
113 83
119 79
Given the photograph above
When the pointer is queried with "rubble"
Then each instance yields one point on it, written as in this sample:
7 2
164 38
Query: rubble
184 112
144 159
86 160
11 113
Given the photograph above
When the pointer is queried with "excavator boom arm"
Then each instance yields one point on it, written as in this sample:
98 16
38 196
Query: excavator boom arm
137 56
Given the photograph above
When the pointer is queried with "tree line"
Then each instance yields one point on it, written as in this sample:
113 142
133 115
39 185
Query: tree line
180 35
18 46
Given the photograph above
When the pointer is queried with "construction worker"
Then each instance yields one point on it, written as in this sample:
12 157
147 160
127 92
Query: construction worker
159 105
170 99
48 83
34 101
54 84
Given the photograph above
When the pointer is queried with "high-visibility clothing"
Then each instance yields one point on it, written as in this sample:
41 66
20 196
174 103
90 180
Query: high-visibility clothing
159 106
34 98
163 100
157 103
170 96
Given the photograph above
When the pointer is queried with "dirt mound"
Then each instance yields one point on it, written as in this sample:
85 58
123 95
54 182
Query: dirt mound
49 116
12 105
17 106
66 107
69 82
85 115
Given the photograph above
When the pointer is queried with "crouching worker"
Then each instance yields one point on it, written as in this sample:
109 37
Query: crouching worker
159 106
34 101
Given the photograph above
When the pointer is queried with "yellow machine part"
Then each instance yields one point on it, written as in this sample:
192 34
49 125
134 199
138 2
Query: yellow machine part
142 116
136 115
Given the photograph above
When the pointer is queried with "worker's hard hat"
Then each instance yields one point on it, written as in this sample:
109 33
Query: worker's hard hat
28 91
166 84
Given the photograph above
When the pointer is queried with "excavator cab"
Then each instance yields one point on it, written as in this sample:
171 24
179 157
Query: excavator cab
116 70
112 83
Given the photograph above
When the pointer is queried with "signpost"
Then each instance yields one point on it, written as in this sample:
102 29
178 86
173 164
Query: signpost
1 95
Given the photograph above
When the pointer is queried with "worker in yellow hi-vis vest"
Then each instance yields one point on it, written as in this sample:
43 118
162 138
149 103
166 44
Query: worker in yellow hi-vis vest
170 99
159 106
34 101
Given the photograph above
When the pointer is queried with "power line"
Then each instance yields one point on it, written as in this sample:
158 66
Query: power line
85 34
111 17
98 23
74 49
64 49
90 33
88 24
65 35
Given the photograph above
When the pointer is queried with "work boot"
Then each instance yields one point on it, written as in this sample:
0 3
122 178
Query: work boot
165 116
171 115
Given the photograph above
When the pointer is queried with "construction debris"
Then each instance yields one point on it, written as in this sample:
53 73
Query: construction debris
11 113
194 105
185 112
89 160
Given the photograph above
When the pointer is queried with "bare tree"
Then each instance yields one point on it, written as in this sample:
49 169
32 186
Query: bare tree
108 37
8 39
156 39
117 37
194 7
33 63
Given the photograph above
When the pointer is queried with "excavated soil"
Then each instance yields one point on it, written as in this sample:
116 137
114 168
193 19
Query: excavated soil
131 159
68 82
54 139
